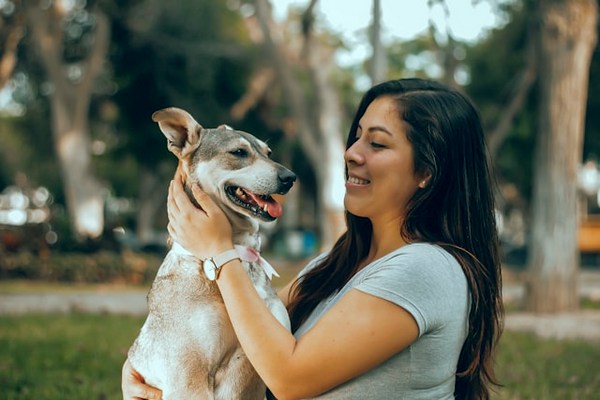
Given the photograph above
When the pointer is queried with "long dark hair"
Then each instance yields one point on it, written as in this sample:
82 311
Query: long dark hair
455 210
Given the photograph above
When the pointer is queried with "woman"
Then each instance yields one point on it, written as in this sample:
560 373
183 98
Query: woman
407 304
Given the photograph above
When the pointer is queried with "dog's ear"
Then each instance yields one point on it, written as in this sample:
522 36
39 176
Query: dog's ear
180 128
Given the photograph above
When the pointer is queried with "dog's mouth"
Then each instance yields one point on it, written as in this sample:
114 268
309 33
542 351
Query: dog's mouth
260 205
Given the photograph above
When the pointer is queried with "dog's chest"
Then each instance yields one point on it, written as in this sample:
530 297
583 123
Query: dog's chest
186 312
187 337
180 286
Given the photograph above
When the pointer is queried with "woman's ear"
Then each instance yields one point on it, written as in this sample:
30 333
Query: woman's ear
424 181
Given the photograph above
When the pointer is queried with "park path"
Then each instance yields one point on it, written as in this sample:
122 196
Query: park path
584 324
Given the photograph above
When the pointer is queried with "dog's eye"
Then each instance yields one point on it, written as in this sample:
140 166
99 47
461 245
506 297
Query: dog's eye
241 153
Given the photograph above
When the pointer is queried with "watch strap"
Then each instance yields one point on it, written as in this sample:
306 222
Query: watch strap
212 265
221 259
225 257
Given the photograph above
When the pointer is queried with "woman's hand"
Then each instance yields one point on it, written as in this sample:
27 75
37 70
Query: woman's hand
134 387
204 232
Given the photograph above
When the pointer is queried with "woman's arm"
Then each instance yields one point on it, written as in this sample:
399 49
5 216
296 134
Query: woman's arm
358 333
133 386
284 292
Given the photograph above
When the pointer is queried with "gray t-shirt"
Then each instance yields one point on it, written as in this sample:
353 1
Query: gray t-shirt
428 282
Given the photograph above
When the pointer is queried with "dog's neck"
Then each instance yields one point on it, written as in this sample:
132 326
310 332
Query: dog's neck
245 231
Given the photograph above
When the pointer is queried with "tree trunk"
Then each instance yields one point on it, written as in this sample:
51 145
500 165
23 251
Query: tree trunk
567 38
331 169
152 196
85 203
378 62
70 101
331 172
320 134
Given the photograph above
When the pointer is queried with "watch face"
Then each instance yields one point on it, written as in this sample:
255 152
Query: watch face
210 269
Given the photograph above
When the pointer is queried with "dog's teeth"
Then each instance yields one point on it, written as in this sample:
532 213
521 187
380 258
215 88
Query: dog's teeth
239 192
266 208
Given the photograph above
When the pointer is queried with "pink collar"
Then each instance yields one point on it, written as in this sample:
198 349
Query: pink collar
252 255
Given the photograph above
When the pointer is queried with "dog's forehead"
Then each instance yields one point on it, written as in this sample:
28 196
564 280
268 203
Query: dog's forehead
224 135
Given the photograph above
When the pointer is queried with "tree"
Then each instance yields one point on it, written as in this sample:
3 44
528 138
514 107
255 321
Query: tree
378 63
201 67
12 30
503 74
73 58
567 37
317 114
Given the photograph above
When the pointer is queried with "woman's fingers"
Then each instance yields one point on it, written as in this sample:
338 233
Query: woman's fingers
181 202
188 222
148 393
134 387
204 200
174 200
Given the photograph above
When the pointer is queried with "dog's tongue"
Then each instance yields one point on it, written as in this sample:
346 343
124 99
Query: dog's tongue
273 208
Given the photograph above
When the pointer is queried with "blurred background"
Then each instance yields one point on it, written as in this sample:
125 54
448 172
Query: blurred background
84 171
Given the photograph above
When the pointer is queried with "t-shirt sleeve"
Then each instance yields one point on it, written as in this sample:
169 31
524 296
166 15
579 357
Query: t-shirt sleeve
424 280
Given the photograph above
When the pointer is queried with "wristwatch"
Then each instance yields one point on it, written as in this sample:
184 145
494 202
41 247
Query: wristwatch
212 266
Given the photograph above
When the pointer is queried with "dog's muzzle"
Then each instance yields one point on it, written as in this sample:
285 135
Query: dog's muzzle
262 206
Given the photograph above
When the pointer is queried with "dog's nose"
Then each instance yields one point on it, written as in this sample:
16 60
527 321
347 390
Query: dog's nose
286 177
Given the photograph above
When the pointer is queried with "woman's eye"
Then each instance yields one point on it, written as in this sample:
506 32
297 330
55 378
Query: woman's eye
376 145
241 153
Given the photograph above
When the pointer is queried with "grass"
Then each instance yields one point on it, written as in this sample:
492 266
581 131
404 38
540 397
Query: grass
77 356
531 368
74 356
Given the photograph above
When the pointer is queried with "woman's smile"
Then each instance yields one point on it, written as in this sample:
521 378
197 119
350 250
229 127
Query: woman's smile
354 181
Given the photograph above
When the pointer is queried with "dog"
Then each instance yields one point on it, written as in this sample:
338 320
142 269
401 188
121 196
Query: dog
187 346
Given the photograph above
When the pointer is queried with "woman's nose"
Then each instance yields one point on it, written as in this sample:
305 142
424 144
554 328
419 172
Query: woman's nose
353 154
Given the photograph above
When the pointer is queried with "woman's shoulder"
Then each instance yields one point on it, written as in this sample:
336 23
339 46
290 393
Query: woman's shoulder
420 252
416 264
423 278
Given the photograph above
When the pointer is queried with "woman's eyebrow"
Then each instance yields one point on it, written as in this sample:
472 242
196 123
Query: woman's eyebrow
375 129
380 128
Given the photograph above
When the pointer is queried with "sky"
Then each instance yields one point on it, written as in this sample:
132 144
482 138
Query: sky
402 19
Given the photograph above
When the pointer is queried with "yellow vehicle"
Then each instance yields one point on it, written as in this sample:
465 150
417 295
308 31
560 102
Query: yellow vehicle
589 234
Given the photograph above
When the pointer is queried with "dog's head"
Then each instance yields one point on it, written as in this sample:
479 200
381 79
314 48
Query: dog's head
231 166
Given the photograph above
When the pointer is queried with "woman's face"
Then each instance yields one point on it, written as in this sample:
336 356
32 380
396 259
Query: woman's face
381 177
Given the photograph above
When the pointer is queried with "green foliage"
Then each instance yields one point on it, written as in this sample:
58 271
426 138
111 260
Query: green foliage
98 267
495 64
27 150
194 56
414 58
